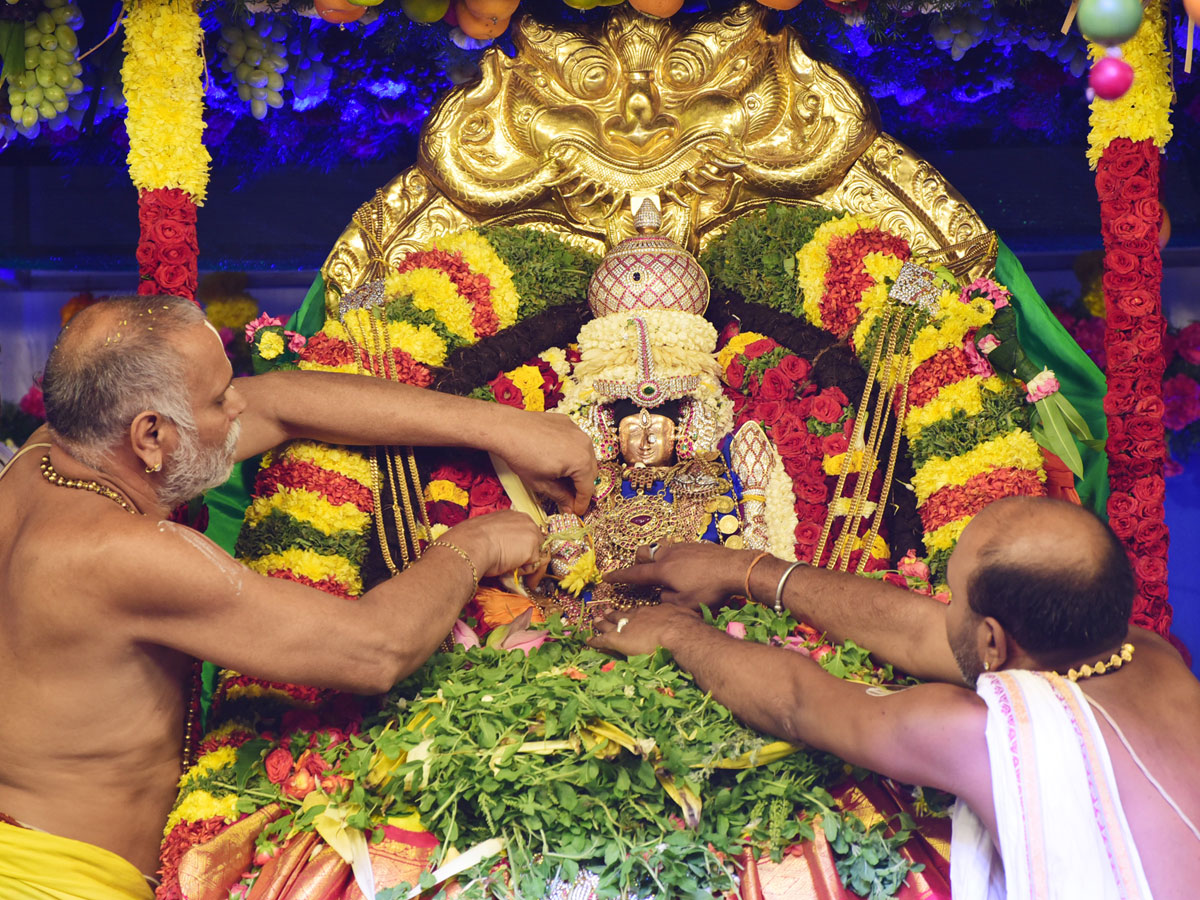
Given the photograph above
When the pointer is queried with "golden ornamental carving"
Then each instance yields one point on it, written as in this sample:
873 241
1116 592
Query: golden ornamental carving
714 116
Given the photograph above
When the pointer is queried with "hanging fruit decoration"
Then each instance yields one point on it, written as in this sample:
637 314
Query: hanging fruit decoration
1110 77
1109 22
425 12
660 9
780 4
339 12
482 28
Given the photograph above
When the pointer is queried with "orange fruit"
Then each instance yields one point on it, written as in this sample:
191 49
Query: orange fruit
660 9
478 27
339 12
492 9
780 4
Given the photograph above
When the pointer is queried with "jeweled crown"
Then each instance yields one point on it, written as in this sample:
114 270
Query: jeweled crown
648 271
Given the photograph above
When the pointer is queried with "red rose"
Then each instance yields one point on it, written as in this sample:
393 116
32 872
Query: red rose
167 231
1147 386
1123 526
1132 226
1148 209
791 445
300 785
735 375
1144 428
1120 260
1154 590
1138 303
1148 342
1150 568
1150 490
335 784
172 278
1118 282
758 348
1121 355
1141 468
812 491
1116 405
1148 449
1118 444
1121 385
808 533
795 367
1107 185
443 512
1135 187
507 393
1142 248
1118 319
486 493
279 765
803 407
834 444
1121 160
775 386
826 409
768 412
1121 505
1150 406
313 762
176 254
461 475
897 579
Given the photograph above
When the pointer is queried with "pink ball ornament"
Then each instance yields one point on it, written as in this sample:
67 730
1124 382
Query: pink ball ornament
1110 77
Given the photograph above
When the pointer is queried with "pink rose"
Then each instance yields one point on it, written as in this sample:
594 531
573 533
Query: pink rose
911 567
261 322
736 630
300 785
988 343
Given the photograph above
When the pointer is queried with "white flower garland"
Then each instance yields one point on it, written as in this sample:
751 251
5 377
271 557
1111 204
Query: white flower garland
781 511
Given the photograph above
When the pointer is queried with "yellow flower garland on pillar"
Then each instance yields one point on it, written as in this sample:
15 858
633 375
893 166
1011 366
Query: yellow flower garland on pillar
163 77
1143 112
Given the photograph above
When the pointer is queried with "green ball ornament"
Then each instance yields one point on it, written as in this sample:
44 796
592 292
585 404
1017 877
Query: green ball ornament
1109 21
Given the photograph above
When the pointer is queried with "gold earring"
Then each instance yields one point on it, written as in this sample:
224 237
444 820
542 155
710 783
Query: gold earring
987 666
157 467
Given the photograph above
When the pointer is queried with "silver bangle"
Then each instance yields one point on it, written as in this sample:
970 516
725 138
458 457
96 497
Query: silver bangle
782 581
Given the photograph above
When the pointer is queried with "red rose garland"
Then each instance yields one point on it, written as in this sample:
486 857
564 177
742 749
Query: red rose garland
1127 184
167 246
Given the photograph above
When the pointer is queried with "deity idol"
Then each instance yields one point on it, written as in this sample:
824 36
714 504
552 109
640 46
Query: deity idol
647 391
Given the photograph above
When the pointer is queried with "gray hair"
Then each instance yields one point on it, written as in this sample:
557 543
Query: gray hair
113 361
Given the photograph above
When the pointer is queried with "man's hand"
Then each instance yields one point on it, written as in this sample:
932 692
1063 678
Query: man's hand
499 543
555 458
633 632
692 575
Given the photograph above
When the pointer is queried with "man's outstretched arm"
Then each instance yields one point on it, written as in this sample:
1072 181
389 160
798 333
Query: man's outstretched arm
899 627
931 735
547 450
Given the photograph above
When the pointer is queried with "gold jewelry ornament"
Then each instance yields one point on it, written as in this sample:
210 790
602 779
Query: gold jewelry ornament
157 467
466 558
52 476
1124 655
621 623
787 573
987 666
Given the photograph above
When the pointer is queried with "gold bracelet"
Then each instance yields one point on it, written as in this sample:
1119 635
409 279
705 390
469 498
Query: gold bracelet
754 562
463 553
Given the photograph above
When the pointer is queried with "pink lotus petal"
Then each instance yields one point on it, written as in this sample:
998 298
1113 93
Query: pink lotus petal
463 635
737 630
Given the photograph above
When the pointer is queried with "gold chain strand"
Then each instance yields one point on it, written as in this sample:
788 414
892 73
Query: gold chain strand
901 416
51 475
862 487
427 529
1099 668
406 525
847 459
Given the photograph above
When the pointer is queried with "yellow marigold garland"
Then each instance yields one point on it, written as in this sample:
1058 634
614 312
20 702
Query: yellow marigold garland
312 509
336 459
441 489
951 325
1143 112
1016 449
317 566
812 261
162 76
965 396
528 380
432 289
479 255
199 805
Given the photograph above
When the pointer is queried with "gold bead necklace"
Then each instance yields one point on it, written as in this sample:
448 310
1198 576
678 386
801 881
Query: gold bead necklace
52 476
1099 668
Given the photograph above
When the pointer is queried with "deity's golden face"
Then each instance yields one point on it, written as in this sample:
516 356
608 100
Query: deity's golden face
646 439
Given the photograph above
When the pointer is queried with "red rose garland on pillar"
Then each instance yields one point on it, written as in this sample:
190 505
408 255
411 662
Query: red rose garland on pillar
1127 184
167 248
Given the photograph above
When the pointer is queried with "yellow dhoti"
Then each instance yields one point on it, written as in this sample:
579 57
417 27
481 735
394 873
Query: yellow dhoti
35 865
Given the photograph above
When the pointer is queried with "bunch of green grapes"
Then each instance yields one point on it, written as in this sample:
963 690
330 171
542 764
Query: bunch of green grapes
52 68
256 56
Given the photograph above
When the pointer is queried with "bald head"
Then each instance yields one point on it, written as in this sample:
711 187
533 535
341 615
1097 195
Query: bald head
1051 573
114 360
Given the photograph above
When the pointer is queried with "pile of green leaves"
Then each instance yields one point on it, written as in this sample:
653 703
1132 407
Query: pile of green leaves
486 742
756 257
546 270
